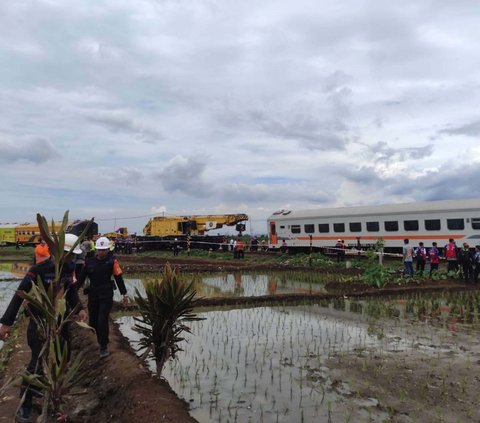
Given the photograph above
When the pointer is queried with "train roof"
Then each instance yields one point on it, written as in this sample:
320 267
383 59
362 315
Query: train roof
384 209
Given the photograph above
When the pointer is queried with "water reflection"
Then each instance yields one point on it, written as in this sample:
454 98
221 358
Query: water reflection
248 285
271 363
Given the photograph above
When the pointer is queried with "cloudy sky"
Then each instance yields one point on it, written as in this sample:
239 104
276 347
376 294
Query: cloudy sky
122 109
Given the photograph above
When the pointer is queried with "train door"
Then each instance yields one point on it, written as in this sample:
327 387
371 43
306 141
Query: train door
273 233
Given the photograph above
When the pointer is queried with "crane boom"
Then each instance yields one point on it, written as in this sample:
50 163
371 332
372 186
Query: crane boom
190 225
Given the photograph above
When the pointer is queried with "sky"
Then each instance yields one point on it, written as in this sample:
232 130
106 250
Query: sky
122 110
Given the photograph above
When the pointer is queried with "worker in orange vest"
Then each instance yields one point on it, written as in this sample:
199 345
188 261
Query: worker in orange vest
239 249
42 252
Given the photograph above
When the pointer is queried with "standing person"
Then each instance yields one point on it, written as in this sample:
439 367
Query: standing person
239 249
80 260
434 256
43 272
476 259
407 257
99 269
466 260
176 247
451 256
339 248
283 247
42 252
420 258
88 246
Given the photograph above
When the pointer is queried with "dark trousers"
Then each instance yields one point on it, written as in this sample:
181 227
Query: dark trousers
35 365
420 267
98 313
433 268
467 271
452 265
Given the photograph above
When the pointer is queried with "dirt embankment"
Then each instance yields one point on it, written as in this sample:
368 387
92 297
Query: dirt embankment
120 388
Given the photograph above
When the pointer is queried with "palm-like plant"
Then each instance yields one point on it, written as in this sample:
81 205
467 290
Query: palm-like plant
164 311
57 379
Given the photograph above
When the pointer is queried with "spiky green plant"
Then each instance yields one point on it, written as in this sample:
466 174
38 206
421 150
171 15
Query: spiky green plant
164 311
57 377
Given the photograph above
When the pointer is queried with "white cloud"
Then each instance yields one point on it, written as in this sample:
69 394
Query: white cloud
209 105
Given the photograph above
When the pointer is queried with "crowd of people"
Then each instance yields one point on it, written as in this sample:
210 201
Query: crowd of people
465 260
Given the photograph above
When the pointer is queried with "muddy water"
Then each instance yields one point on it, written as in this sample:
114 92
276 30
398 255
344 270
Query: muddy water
10 276
269 364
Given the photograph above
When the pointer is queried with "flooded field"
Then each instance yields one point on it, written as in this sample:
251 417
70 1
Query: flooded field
247 284
398 359
283 364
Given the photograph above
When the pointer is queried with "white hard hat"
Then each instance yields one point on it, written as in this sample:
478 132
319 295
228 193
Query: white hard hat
102 243
70 240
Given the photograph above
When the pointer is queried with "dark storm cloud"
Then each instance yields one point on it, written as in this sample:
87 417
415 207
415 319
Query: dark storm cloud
264 194
119 123
302 127
36 151
470 129
382 152
448 182
185 175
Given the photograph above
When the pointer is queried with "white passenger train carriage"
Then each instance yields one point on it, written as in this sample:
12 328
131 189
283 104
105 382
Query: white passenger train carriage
362 226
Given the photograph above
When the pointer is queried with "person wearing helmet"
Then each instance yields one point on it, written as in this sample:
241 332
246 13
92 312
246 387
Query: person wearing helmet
99 269
43 272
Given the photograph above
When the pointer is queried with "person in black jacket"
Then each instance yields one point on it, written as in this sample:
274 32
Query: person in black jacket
466 259
45 272
99 269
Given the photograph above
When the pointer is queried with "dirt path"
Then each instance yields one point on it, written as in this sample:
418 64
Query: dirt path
120 389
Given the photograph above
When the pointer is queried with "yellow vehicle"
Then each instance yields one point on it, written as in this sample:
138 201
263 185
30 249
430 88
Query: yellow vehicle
120 233
7 235
192 225
29 233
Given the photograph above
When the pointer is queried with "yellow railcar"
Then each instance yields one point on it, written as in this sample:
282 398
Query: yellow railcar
7 235
28 233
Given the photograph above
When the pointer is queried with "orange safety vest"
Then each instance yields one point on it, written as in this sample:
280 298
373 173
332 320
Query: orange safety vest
239 245
451 253
42 253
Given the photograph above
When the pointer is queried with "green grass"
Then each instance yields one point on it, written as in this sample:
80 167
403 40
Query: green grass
10 253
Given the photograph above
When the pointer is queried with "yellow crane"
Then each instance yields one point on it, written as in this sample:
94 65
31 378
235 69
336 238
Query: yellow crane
192 225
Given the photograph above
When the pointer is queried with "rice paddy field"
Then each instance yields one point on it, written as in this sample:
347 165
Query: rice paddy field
394 359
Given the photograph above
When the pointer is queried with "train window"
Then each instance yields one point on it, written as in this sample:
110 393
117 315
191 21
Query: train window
295 229
432 225
309 229
391 225
339 227
475 222
355 227
373 227
282 226
323 228
410 225
455 224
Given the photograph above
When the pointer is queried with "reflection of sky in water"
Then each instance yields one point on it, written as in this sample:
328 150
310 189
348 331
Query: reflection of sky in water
263 361
242 285
8 285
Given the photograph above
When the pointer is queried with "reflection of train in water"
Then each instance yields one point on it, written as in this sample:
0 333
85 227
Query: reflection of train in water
29 233
434 221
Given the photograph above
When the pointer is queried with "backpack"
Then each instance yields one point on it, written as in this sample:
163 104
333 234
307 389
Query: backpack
450 252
